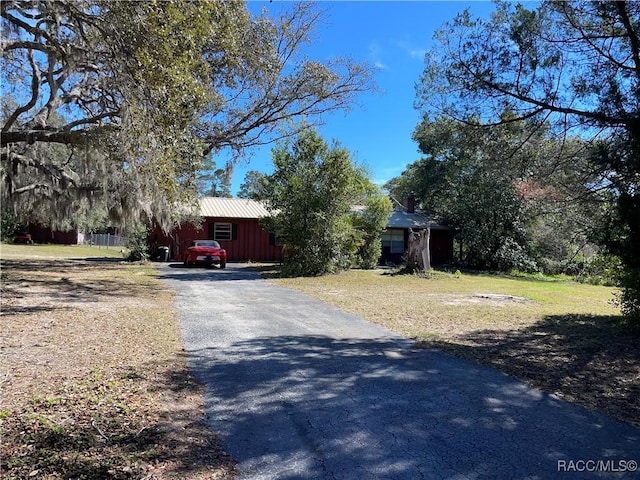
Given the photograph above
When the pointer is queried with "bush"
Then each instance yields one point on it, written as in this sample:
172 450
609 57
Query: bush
8 227
369 253
511 256
628 299
603 269
137 245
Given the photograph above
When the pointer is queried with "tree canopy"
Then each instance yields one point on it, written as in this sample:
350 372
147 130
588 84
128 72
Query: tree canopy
505 191
572 66
253 185
312 194
120 103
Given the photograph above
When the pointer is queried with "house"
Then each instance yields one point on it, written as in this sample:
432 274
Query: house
41 234
233 222
395 238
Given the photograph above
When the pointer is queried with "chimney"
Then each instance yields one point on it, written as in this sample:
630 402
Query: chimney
410 204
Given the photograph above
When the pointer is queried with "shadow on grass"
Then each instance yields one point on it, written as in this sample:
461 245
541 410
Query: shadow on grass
594 360
104 428
61 264
439 272
33 280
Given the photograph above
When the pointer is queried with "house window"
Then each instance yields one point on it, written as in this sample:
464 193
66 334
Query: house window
274 240
393 240
222 231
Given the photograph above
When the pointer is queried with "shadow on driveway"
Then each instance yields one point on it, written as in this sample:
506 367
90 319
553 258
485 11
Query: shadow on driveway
318 407
298 389
233 272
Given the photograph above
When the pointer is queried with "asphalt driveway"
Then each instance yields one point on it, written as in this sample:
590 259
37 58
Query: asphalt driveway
302 390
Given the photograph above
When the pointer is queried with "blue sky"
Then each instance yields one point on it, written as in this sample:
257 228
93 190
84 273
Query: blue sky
394 36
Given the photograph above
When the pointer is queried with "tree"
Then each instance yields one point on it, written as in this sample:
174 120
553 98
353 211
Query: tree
311 194
81 77
151 87
572 65
459 181
253 185
369 223
212 181
418 250
505 190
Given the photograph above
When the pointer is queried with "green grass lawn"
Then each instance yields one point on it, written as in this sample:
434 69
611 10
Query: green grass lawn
447 305
8 250
564 337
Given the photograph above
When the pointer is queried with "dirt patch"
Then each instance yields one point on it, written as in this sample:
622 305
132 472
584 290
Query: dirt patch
94 382
493 299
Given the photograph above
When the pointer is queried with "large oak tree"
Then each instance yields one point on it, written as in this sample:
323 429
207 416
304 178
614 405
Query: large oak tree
117 103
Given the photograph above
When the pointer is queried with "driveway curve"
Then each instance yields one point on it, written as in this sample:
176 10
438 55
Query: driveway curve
299 389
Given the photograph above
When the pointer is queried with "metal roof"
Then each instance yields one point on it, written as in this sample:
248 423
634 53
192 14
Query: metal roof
416 221
221 207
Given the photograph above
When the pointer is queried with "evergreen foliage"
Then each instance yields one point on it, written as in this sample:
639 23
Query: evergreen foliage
506 192
571 67
312 193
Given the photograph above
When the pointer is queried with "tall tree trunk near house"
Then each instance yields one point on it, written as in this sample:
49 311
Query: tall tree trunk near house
419 254
425 249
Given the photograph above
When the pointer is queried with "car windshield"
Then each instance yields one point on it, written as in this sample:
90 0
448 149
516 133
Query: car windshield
205 243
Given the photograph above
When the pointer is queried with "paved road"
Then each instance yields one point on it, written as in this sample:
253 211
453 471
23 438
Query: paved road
301 390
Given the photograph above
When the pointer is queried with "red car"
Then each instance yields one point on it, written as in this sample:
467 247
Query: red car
205 252
23 237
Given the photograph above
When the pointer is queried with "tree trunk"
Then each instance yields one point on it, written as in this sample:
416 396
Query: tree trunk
419 256
425 249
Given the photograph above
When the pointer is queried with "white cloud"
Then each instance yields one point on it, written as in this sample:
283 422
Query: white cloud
417 53
411 50
376 54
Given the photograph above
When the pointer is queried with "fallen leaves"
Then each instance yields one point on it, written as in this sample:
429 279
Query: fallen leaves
94 381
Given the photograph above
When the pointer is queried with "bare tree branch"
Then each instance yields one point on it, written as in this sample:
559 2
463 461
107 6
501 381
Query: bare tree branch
35 89
631 33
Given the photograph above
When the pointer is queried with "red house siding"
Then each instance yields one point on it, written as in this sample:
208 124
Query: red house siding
441 247
250 241
40 234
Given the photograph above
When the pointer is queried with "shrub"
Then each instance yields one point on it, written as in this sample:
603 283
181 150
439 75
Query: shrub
8 227
369 253
628 299
511 256
603 269
137 245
